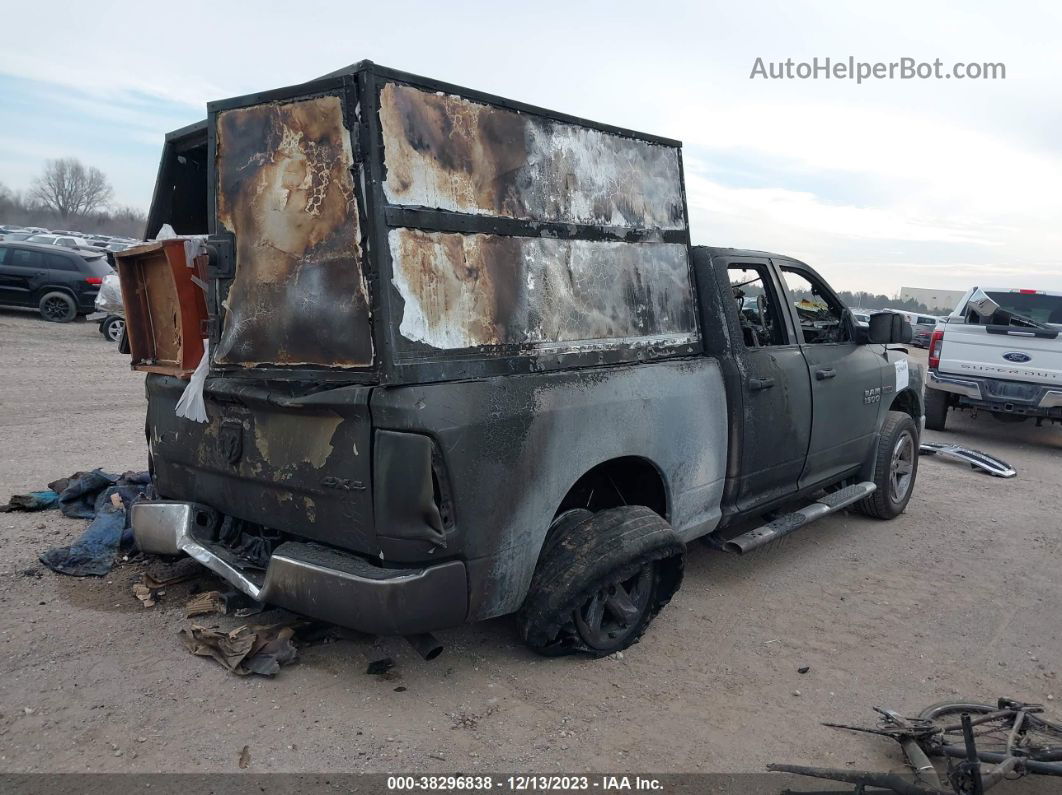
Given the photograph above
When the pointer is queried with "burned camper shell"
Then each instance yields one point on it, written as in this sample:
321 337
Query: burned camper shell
377 226
418 292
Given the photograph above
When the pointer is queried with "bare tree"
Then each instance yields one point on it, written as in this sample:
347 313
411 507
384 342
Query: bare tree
69 188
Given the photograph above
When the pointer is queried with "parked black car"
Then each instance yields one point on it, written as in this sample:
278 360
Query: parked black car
61 283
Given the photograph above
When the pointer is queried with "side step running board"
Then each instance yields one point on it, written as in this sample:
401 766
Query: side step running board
975 458
784 525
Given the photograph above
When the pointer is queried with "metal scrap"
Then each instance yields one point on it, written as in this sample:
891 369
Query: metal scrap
975 458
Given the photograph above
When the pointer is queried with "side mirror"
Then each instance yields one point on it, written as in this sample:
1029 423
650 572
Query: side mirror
981 304
887 328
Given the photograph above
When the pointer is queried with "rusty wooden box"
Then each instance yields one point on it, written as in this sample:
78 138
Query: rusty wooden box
165 307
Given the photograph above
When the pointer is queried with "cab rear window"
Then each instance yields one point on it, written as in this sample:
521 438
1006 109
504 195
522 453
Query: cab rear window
1035 306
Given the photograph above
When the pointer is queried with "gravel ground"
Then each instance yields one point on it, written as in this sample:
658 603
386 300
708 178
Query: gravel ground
957 598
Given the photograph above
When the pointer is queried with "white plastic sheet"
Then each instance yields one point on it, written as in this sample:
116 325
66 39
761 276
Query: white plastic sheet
191 405
109 298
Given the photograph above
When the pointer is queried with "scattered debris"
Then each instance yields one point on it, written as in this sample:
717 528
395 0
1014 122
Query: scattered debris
975 458
144 594
248 649
149 589
245 757
205 603
1012 740
381 666
803 669
401 689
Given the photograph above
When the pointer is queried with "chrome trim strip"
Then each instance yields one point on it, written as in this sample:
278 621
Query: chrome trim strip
945 383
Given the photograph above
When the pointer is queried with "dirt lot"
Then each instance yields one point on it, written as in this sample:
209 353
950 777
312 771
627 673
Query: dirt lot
959 597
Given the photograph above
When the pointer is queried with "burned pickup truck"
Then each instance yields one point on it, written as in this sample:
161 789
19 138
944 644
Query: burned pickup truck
463 362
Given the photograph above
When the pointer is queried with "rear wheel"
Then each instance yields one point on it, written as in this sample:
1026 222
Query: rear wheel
936 409
1037 737
600 582
112 327
57 307
895 467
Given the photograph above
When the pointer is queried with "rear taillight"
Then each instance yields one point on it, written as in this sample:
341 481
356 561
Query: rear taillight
96 280
936 342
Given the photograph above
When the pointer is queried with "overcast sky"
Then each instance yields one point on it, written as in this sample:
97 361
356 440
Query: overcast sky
931 183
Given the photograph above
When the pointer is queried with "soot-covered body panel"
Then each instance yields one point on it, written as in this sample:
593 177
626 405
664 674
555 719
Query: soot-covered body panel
285 191
514 446
447 152
465 291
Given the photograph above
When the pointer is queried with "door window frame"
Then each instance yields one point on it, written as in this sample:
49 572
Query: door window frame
825 291
770 278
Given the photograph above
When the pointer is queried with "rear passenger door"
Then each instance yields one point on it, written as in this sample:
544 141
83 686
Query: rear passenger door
846 386
23 268
775 392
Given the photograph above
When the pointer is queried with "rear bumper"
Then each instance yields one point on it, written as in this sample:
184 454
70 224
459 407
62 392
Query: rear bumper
996 394
314 580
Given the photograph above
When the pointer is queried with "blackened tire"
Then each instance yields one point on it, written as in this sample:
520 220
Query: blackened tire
57 307
936 409
895 467
600 582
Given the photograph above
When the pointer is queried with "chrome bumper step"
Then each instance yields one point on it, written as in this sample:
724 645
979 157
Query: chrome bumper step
784 525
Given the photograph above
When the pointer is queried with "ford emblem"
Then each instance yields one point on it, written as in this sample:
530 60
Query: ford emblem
1017 356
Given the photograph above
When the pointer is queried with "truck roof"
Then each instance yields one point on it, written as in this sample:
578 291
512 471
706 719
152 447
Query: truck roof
722 251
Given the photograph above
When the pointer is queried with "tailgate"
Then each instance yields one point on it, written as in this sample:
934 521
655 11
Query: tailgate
296 463
1016 355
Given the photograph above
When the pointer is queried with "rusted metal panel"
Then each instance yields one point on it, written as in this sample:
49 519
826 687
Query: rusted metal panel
285 190
446 152
465 291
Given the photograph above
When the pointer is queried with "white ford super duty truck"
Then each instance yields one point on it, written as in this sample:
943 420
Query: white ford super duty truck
999 351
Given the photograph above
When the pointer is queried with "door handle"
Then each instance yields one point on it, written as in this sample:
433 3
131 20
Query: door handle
823 374
757 384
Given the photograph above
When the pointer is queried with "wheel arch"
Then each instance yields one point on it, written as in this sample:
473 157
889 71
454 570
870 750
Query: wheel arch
40 292
623 480
909 402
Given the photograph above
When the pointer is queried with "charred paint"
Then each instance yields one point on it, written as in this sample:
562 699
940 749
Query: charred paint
464 291
287 440
449 153
285 190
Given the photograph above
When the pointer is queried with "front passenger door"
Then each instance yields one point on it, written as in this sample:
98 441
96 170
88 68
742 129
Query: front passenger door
846 385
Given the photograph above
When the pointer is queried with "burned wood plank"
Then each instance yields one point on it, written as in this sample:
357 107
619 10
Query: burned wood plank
465 291
446 152
285 189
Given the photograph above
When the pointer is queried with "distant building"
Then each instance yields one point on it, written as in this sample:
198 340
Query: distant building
932 298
